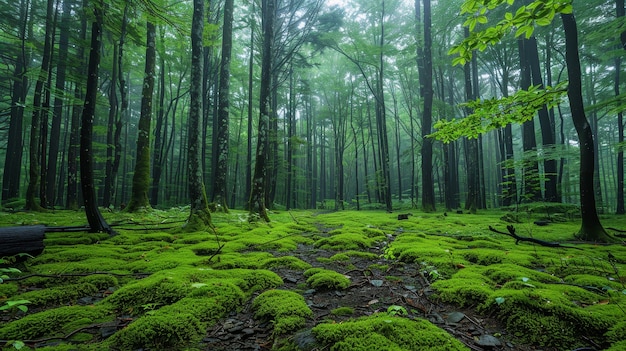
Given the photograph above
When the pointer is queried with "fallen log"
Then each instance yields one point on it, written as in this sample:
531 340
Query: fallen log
511 233
22 240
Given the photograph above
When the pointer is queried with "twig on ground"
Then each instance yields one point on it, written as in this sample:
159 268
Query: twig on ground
518 238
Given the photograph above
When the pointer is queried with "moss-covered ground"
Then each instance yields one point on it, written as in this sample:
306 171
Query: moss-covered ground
350 280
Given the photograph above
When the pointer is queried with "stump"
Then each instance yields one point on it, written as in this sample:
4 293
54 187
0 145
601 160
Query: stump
23 239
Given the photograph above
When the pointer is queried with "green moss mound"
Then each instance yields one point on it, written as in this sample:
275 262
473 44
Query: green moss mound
54 322
325 279
286 309
154 290
58 295
384 332
159 332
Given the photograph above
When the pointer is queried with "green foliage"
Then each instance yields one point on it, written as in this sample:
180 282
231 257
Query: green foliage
496 113
159 289
384 332
59 295
286 309
342 311
523 21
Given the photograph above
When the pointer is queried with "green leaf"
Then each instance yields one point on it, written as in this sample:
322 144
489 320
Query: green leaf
22 308
18 344
525 279
568 9
544 21
500 300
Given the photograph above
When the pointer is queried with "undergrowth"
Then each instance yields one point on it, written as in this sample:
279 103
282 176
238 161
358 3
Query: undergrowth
170 287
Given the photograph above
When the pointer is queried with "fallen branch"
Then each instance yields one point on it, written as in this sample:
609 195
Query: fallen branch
518 238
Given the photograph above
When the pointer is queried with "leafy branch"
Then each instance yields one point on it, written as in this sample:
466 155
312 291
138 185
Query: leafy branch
496 113
523 21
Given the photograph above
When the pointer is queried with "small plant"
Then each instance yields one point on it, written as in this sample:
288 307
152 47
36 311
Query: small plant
388 254
395 310
16 304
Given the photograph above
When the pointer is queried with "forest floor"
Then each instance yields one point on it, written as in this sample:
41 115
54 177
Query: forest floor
461 286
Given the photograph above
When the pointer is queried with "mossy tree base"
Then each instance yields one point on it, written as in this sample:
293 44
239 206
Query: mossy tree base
198 220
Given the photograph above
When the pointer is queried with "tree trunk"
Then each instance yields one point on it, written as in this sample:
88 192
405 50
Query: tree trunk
141 177
259 180
55 131
94 217
199 216
109 181
159 133
426 88
591 229
250 109
14 152
35 131
221 163
530 177
619 6
471 149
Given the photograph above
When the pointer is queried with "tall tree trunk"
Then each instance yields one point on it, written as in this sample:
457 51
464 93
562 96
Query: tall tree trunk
591 229
73 150
426 88
619 10
13 159
381 119
471 149
94 217
59 99
109 181
259 180
141 177
530 177
250 109
159 133
547 128
221 163
35 131
290 198
199 216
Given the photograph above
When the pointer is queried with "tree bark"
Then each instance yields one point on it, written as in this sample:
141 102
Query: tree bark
199 216
619 10
259 180
221 164
94 217
35 129
141 177
426 88
591 229
14 152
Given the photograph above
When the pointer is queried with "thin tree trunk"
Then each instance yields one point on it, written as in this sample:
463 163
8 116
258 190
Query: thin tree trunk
619 9
94 217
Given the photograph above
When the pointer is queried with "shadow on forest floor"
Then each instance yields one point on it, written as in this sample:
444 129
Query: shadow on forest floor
316 281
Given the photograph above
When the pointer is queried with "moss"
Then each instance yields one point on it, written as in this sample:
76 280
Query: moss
488 257
342 311
53 322
286 262
260 280
8 289
347 241
502 273
58 295
159 332
287 309
547 317
100 281
324 279
594 281
383 332
158 289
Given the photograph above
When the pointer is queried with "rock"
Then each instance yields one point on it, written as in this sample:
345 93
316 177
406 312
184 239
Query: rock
488 341
455 317
376 282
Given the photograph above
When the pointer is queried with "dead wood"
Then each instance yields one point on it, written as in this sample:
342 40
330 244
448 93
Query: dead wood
511 233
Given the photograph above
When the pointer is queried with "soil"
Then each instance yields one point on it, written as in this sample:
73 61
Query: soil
371 291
